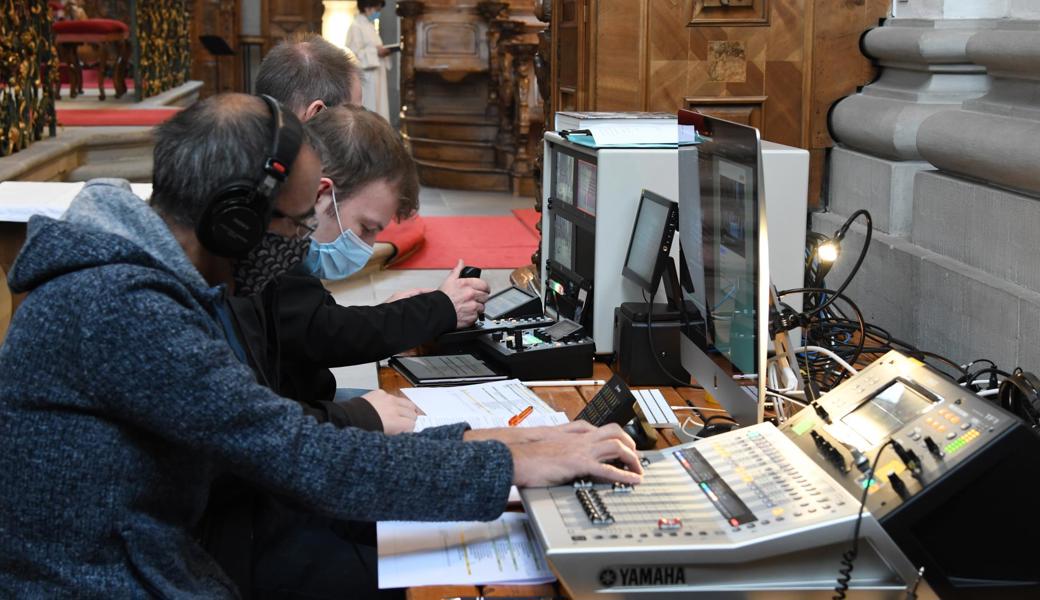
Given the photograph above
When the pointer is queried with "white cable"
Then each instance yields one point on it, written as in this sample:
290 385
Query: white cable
721 410
835 357
987 393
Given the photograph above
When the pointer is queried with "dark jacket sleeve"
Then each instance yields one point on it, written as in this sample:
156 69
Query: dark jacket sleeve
174 377
315 329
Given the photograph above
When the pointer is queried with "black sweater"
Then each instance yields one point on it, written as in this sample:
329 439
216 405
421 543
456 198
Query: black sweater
293 353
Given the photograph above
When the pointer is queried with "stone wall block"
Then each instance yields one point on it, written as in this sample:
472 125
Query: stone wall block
884 187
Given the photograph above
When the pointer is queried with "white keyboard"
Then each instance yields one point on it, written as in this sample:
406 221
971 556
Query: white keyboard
656 409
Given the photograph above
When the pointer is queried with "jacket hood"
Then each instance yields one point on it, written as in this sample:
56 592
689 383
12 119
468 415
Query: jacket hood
105 224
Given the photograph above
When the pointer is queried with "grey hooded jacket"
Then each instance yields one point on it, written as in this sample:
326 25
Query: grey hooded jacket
120 401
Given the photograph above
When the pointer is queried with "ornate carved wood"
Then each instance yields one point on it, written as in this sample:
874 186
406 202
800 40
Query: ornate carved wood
527 117
409 11
29 72
459 88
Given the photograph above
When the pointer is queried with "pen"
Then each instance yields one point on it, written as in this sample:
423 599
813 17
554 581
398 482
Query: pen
564 382
519 417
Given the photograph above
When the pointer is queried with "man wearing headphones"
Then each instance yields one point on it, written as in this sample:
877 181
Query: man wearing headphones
124 390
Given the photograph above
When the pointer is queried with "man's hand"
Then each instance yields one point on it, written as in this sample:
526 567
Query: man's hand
523 435
408 294
467 296
397 414
382 52
576 454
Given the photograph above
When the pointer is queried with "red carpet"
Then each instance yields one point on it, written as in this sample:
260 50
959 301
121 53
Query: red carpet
530 218
500 242
90 77
98 117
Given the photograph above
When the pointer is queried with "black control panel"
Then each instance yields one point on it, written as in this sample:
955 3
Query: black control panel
560 350
487 326
613 403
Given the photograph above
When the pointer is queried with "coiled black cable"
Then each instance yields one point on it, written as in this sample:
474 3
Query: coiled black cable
848 559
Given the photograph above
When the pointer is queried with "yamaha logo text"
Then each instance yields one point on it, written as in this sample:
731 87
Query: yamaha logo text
642 576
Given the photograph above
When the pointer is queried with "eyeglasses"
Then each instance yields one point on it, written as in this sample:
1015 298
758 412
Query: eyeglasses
304 228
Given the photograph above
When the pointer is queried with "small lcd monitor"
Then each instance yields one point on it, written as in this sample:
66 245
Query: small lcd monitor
651 240
722 236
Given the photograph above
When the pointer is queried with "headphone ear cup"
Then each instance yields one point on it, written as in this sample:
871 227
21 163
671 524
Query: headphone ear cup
234 220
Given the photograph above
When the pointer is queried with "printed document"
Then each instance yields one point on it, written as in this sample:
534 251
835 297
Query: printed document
492 400
460 553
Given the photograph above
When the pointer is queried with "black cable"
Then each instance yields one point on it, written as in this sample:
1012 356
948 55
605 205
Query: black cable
650 338
849 558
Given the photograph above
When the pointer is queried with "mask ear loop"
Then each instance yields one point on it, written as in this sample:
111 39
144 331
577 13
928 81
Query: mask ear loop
335 209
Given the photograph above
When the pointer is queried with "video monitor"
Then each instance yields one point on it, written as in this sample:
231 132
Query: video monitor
651 239
722 233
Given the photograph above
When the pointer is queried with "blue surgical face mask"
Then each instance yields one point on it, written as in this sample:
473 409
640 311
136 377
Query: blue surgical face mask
374 16
340 258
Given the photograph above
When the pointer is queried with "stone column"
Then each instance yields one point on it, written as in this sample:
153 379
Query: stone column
409 11
924 69
995 138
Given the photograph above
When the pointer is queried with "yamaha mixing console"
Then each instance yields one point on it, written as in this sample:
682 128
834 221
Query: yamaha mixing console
768 512
740 513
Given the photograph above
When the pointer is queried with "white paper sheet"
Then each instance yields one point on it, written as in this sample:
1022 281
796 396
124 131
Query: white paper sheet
460 553
20 200
490 421
494 399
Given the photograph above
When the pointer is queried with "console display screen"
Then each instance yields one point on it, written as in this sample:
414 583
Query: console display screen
587 187
505 302
563 242
886 412
565 178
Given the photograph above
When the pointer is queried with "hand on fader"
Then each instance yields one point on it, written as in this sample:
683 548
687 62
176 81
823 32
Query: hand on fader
467 296
572 454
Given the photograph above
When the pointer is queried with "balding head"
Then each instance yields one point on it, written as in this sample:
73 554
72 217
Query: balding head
206 146
306 73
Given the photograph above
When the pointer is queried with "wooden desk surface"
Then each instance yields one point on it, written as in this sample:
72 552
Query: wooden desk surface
569 399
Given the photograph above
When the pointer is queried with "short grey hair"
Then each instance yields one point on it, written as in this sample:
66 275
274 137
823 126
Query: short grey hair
206 146
304 68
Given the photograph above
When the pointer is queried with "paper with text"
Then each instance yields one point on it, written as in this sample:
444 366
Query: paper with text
493 399
490 421
460 553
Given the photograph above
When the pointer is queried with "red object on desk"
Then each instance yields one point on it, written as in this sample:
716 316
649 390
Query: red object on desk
519 418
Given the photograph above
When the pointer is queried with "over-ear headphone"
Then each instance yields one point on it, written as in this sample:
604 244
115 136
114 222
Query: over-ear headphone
237 214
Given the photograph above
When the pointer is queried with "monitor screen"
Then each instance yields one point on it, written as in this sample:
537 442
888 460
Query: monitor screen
505 301
722 236
563 242
564 177
587 187
650 235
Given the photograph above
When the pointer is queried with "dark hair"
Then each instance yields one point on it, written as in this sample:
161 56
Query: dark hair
358 147
304 68
204 147
363 4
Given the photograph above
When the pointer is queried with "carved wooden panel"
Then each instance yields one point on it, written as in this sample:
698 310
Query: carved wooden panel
748 110
281 18
728 12
777 64
451 42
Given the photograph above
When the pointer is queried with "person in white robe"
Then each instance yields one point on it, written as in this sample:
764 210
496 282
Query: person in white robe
374 59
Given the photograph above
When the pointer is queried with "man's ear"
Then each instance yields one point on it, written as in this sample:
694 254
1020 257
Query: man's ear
324 195
312 109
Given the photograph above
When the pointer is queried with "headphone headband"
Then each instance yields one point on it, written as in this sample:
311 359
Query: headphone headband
238 213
